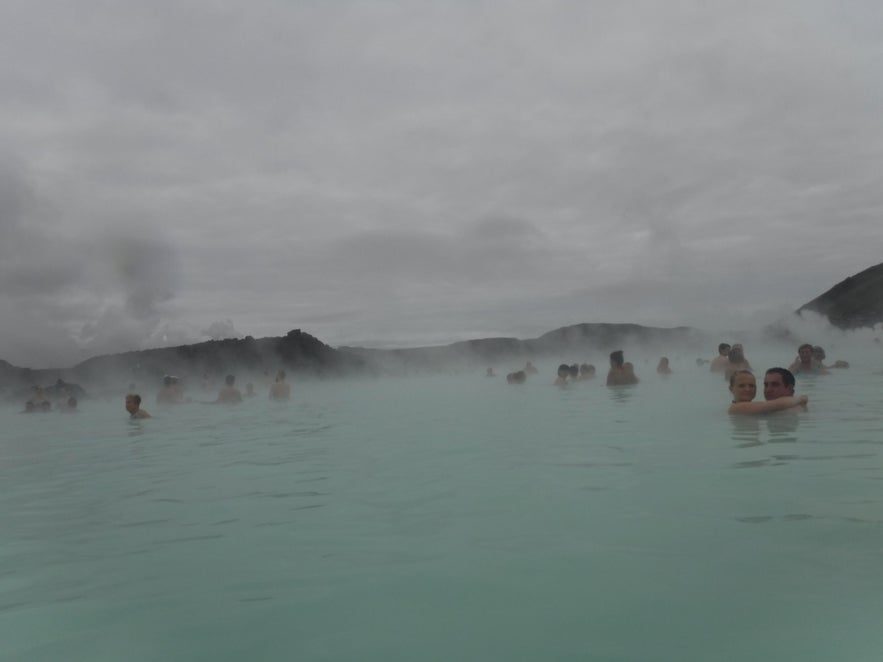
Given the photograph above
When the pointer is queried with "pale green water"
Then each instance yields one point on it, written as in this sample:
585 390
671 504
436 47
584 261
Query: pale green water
449 518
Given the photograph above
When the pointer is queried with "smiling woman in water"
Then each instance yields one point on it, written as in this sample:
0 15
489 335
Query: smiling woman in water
743 386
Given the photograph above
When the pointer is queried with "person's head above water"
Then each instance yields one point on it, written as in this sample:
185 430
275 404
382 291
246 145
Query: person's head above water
737 373
617 358
724 348
133 406
743 386
778 383
229 380
805 353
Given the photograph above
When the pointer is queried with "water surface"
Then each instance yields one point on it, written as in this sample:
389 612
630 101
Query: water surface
454 517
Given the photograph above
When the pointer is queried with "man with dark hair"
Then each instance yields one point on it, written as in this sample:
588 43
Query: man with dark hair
229 394
720 362
806 362
779 383
620 372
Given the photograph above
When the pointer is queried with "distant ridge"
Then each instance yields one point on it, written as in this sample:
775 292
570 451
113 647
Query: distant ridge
854 302
571 340
302 354
297 352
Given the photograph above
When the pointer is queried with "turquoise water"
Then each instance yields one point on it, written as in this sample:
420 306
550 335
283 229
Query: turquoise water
449 518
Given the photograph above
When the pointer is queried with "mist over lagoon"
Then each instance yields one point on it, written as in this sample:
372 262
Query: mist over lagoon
385 200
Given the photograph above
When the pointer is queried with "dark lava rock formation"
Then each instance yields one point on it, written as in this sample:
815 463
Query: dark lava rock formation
854 302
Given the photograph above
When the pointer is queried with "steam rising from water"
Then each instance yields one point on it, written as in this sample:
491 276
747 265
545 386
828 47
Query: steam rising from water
67 294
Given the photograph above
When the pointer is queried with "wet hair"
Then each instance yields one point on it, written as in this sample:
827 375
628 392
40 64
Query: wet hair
817 351
617 358
787 375
563 369
229 379
735 355
805 345
739 372
723 347
519 377
574 370
167 380
134 397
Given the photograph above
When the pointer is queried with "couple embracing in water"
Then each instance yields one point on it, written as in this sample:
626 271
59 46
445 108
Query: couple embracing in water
778 392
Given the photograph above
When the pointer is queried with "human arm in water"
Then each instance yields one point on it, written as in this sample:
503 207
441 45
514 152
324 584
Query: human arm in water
767 406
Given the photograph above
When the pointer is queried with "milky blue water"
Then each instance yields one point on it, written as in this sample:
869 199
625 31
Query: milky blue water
449 518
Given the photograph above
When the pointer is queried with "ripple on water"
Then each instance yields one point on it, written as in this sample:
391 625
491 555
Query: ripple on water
393 513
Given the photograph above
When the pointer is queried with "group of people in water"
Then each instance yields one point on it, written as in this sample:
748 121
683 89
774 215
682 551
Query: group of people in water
621 372
778 383
171 393
810 360
60 397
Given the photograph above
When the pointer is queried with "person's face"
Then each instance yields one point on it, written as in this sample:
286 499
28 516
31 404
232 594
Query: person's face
131 407
805 354
774 387
744 388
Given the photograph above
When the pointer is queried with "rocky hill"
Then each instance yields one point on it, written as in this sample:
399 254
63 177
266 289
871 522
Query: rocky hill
854 302
297 352
302 354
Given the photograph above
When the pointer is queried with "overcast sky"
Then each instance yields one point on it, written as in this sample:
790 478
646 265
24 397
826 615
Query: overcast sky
423 172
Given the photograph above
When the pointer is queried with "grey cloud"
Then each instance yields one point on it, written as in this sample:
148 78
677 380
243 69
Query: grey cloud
148 271
392 166
220 329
